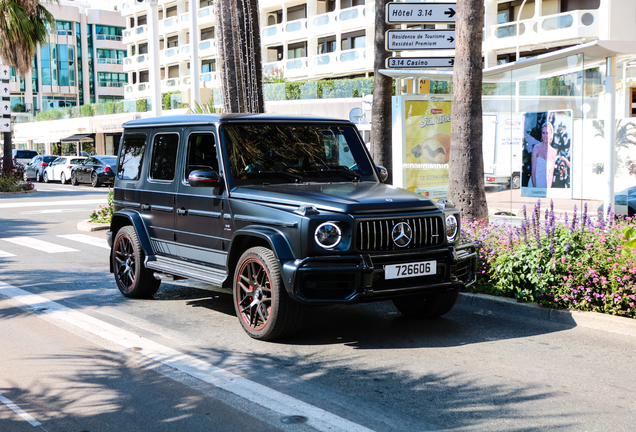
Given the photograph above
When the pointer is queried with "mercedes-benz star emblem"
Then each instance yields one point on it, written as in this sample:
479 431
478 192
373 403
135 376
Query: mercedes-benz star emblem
402 234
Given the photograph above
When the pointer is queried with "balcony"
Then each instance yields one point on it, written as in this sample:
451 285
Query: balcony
135 34
169 55
209 80
205 16
295 68
207 48
169 25
296 29
574 25
352 18
170 84
110 61
184 52
184 21
272 34
324 23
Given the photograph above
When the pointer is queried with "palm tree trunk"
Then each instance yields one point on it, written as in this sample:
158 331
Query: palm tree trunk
227 64
466 165
381 133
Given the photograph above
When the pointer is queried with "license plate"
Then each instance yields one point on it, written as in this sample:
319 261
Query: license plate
397 271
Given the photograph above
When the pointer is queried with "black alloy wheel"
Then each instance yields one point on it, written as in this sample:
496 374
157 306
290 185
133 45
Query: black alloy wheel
133 278
74 181
262 305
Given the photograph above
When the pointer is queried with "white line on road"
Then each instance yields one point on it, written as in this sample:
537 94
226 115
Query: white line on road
4 254
39 245
50 211
90 240
51 203
256 393
19 411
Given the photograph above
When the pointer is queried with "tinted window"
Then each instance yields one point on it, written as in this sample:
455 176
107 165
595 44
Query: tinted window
294 152
76 161
24 154
112 161
49 159
201 153
164 156
131 156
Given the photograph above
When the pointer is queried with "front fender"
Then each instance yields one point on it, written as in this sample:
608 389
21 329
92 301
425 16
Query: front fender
126 217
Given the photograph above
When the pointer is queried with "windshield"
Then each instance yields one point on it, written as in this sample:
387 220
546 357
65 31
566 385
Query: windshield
294 153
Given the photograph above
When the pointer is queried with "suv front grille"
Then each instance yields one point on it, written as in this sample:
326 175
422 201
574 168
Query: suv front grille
376 235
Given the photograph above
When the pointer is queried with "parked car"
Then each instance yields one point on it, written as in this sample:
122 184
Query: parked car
96 170
60 168
282 212
36 166
22 157
624 203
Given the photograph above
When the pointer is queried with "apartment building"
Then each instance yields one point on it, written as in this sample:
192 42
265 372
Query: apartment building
81 62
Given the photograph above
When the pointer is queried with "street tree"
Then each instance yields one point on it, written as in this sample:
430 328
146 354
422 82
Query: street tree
23 25
381 132
466 165
240 56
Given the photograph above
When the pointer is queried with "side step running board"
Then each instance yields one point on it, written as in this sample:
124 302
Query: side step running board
168 267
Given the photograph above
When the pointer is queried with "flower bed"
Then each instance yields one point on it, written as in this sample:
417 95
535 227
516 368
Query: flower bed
580 264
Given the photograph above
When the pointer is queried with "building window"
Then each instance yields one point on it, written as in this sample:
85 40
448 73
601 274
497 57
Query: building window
208 66
142 20
297 12
143 48
144 76
325 6
353 40
63 28
171 11
297 50
110 56
207 33
111 79
326 44
108 32
345 4
173 41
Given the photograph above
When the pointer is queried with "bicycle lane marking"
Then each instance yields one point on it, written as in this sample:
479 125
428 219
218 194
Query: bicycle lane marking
256 393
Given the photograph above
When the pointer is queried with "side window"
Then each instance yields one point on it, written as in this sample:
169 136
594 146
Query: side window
164 156
201 153
131 156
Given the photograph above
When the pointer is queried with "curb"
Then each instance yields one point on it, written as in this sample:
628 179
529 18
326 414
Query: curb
88 226
19 192
592 320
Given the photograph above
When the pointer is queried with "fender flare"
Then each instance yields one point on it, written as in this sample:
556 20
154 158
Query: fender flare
126 217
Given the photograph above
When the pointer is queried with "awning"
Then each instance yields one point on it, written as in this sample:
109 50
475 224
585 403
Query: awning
77 138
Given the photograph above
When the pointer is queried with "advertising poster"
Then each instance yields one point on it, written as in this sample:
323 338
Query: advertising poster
547 154
427 131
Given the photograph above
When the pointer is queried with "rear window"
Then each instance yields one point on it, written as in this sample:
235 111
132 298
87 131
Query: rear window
49 159
23 154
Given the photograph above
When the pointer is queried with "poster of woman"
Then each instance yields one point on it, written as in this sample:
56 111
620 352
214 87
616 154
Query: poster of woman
547 147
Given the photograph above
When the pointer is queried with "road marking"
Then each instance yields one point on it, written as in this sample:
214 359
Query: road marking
54 211
39 245
4 254
90 240
51 203
256 393
19 411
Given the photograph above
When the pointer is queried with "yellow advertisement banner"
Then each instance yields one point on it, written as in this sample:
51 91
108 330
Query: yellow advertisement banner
427 150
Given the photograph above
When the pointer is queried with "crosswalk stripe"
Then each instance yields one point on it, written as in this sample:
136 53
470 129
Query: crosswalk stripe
4 254
90 240
39 245
51 203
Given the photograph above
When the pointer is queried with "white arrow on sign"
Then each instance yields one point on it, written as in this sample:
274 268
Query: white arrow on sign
405 40
5 72
419 62
420 13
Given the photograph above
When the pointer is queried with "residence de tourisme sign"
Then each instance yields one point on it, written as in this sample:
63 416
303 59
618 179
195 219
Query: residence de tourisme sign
416 39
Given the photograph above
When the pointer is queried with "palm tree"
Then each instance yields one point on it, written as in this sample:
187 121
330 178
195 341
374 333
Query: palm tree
23 24
466 165
381 133
240 56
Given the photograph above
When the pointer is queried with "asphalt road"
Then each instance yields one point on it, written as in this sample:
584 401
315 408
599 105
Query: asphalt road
75 355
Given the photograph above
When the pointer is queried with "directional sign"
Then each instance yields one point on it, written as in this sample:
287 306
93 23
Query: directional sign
5 72
5 107
404 40
5 125
420 13
4 90
419 62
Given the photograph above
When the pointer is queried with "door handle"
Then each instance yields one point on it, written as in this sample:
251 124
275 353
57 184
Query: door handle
182 211
145 207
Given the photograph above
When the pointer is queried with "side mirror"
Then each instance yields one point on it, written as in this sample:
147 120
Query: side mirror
382 172
203 178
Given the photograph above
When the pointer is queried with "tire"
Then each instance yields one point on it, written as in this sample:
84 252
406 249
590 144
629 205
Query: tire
424 306
25 176
46 177
74 181
63 178
262 305
132 278
38 177
515 181
95 181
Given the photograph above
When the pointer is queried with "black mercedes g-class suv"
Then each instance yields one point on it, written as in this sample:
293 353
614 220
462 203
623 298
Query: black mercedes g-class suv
284 212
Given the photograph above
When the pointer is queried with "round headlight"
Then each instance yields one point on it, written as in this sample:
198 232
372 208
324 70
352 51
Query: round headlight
328 235
452 228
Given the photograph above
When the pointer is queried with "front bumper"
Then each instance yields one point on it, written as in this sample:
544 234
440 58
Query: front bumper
360 278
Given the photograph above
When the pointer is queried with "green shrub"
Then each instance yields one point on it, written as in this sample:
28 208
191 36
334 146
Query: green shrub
104 213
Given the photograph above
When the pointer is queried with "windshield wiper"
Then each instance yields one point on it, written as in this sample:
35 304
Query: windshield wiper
284 174
338 169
